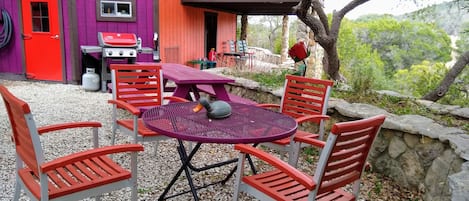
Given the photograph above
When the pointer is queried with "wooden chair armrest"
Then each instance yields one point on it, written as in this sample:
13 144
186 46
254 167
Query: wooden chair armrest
175 99
133 110
268 105
44 129
299 176
311 118
102 151
310 141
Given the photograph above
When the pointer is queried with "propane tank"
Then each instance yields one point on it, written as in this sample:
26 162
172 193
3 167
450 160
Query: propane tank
90 80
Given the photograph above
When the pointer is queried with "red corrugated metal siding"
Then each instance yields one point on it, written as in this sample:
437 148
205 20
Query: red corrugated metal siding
226 30
182 31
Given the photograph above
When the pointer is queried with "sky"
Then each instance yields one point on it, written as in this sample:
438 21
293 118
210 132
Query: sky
395 7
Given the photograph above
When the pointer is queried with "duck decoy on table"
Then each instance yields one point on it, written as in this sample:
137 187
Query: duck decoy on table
215 110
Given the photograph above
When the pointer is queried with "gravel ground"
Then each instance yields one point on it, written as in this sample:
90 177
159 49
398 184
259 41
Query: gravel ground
56 103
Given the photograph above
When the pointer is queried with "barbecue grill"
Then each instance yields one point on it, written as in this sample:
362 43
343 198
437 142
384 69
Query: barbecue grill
116 46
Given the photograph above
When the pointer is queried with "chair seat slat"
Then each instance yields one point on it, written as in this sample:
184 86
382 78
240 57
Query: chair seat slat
85 170
281 188
65 174
336 195
109 165
76 174
97 169
56 180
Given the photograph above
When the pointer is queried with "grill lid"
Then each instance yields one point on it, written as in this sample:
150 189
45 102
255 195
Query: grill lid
108 39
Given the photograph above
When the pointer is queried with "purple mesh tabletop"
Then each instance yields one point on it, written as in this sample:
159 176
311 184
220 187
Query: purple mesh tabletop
246 124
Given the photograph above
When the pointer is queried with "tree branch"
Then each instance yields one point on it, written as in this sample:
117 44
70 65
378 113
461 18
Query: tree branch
441 90
339 15
320 34
317 7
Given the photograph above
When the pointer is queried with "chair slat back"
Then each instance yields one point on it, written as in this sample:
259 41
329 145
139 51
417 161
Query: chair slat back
229 46
305 96
343 158
140 85
25 135
241 46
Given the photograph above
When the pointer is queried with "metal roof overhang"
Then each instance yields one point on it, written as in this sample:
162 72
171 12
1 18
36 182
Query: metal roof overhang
247 7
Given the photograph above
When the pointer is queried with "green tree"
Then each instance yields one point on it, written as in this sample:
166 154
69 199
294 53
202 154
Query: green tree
359 62
420 78
256 34
404 43
274 25
458 69
278 41
462 44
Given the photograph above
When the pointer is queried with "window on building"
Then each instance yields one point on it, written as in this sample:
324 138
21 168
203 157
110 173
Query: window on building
116 10
40 16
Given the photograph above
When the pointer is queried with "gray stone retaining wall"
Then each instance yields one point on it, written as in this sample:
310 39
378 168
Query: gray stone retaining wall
413 150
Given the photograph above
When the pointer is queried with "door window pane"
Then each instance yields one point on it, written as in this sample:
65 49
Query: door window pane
40 16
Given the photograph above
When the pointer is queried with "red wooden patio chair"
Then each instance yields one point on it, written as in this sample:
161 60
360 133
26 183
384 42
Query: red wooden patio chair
72 177
341 162
306 100
135 88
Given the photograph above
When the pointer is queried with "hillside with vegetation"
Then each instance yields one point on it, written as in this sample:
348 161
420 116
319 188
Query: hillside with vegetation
449 16
406 54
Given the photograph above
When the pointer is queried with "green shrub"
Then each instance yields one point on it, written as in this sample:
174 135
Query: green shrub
419 79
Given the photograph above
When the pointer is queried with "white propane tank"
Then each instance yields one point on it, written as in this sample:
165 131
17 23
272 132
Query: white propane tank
90 80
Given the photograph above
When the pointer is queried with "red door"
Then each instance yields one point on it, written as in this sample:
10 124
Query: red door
42 40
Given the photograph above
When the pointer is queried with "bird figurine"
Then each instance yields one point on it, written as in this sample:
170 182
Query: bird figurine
215 110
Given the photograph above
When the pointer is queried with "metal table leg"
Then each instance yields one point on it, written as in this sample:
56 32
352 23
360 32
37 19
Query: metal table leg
187 166
185 162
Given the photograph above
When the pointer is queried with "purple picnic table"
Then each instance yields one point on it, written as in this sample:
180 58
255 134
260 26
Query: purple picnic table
187 79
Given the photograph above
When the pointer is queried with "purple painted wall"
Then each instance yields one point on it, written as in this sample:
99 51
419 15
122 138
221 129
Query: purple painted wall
10 56
66 38
88 26
83 29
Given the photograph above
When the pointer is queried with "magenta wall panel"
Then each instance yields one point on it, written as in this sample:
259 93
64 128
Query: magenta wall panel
10 55
88 26
184 29
66 26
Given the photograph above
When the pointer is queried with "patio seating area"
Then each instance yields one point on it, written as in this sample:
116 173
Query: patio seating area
56 103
